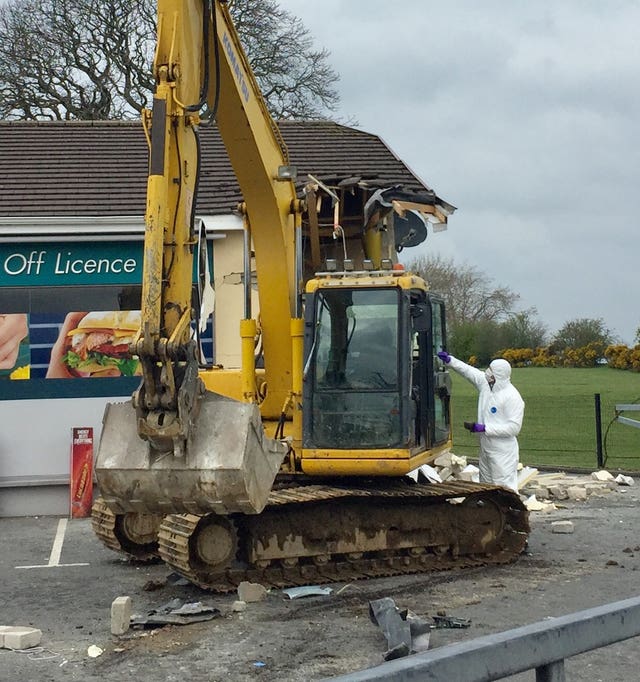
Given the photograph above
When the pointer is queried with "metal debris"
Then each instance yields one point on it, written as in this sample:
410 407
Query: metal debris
176 612
307 591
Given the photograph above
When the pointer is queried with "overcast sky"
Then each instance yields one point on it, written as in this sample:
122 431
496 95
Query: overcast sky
524 115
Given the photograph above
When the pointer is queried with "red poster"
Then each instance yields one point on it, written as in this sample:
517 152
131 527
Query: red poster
81 472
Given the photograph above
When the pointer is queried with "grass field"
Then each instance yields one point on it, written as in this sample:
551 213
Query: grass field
559 428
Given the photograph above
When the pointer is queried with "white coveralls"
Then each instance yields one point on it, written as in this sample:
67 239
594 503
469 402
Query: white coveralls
501 410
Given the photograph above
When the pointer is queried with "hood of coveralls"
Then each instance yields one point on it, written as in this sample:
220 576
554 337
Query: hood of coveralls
501 370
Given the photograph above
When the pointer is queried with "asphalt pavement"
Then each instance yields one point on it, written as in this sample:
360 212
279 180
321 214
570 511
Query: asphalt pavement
57 577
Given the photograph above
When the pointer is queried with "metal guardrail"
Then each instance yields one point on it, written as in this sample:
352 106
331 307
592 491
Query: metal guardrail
542 646
633 407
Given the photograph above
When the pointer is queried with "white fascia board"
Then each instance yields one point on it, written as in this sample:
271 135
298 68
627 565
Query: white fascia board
96 228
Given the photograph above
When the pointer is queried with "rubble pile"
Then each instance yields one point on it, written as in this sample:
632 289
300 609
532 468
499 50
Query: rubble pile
539 490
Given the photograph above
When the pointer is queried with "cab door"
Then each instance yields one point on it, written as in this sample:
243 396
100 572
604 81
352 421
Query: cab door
430 383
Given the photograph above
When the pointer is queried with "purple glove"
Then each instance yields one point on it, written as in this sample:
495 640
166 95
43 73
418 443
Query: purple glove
444 356
474 427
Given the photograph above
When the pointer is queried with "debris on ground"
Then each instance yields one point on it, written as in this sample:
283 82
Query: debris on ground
307 591
385 614
153 585
562 527
251 592
94 651
441 622
176 612
405 632
19 637
577 487
531 481
120 615
532 503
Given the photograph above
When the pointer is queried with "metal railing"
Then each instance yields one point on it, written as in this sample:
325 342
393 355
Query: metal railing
542 646
633 407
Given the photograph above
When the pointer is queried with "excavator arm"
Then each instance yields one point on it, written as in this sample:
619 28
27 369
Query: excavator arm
175 445
200 66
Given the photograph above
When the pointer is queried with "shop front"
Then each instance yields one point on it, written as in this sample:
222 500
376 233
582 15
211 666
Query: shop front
68 310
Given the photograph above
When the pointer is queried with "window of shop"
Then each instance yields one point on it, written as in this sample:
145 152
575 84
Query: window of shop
67 314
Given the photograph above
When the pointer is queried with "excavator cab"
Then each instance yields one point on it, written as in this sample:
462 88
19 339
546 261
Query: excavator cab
371 377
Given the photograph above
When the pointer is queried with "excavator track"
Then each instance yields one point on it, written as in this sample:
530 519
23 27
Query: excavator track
327 533
134 535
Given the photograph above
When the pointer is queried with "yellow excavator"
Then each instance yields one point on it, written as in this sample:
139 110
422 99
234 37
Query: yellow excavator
292 468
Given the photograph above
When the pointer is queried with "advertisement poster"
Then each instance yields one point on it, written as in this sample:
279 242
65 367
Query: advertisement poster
81 484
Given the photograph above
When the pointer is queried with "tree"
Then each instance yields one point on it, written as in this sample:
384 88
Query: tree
522 330
480 340
581 332
91 59
469 294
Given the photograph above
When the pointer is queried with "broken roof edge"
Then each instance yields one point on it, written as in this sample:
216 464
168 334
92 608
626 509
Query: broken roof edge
449 208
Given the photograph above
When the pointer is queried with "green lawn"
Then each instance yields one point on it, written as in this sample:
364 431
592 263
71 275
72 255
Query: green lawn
559 426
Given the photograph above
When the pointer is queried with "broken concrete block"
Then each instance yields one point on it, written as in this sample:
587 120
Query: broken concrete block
251 592
470 473
458 462
429 473
443 460
19 637
562 527
621 479
525 475
601 475
543 494
534 504
559 492
445 473
576 492
120 615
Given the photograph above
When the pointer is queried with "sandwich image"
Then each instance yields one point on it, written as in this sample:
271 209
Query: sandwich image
99 346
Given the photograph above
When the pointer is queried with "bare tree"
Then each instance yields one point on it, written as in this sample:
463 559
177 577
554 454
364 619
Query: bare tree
91 59
469 293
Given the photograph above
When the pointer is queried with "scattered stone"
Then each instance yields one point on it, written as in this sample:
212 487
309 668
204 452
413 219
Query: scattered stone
443 460
251 592
525 475
153 585
534 504
601 476
576 492
470 473
445 473
19 637
120 615
562 527
627 550
558 492
621 479
94 651
611 562
239 606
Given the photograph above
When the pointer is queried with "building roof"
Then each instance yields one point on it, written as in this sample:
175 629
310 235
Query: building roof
99 168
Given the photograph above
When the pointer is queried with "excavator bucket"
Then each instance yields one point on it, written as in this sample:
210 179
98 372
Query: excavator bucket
229 464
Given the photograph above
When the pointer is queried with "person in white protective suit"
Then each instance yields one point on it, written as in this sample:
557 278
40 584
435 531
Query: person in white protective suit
500 414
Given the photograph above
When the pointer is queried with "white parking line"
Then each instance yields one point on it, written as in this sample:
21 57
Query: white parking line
56 550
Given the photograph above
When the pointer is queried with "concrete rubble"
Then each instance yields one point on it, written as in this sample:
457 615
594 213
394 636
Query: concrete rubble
539 490
19 637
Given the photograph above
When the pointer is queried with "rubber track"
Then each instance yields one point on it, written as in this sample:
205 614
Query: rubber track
176 530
